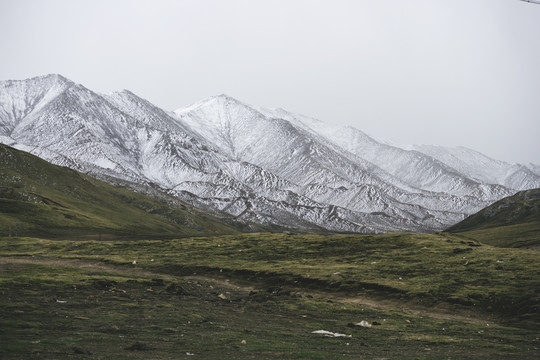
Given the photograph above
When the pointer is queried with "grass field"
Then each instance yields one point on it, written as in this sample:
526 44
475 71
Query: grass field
257 296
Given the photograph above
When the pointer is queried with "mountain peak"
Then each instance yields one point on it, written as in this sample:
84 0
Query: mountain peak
54 76
225 97
50 79
125 93
220 100
53 79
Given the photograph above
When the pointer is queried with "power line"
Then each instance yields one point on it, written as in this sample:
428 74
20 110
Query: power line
532 1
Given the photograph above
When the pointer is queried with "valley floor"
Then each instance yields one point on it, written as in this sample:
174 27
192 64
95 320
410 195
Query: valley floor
66 299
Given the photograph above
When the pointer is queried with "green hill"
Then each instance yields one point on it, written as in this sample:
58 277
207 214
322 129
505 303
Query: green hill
511 222
41 199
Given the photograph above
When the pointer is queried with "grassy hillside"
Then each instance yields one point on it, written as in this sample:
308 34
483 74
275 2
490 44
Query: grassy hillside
41 199
511 222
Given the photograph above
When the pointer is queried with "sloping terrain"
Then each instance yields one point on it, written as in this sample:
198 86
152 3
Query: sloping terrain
41 199
270 167
511 222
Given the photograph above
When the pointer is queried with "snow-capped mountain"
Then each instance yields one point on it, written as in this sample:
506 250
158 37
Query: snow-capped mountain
266 166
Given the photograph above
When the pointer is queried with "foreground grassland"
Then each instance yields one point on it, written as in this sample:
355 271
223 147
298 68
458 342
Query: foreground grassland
257 296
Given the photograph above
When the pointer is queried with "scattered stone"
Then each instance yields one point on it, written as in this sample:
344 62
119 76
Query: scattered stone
330 334
134 262
243 342
223 297
364 323
61 301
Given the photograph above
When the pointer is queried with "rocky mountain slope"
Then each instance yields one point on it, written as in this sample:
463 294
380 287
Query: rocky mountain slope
266 166
482 168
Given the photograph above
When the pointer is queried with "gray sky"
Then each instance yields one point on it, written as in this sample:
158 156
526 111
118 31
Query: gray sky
454 72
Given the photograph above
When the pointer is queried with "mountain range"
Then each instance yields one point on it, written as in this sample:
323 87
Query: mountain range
265 166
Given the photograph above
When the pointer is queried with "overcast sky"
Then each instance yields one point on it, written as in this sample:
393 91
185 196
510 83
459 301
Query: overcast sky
454 72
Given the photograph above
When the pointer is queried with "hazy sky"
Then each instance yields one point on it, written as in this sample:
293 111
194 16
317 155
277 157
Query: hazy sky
443 72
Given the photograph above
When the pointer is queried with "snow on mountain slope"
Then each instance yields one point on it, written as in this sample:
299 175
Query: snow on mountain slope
411 167
124 136
324 171
20 98
483 168
273 144
52 112
238 188
534 168
266 166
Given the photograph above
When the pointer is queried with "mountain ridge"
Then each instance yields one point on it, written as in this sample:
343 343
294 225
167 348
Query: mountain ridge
267 166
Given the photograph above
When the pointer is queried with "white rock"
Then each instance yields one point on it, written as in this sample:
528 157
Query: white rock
330 334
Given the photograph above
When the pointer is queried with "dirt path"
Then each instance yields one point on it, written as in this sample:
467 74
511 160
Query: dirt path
442 312
124 270
83 265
